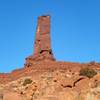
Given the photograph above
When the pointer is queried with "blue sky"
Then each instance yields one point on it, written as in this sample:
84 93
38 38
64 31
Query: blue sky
75 30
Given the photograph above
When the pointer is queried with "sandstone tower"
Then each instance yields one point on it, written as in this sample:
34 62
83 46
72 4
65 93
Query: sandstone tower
42 45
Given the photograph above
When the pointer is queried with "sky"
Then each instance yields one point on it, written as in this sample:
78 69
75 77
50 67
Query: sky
75 30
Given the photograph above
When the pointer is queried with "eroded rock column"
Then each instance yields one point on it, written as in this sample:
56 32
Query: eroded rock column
42 44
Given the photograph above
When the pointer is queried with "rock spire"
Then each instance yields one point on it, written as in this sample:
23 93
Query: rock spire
42 44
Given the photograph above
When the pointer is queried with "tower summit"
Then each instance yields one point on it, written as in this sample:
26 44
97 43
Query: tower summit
42 44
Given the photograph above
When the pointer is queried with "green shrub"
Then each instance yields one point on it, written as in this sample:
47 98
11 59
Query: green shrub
27 81
88 72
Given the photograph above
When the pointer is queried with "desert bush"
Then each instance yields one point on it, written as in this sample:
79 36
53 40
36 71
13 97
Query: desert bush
88 72
27 81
